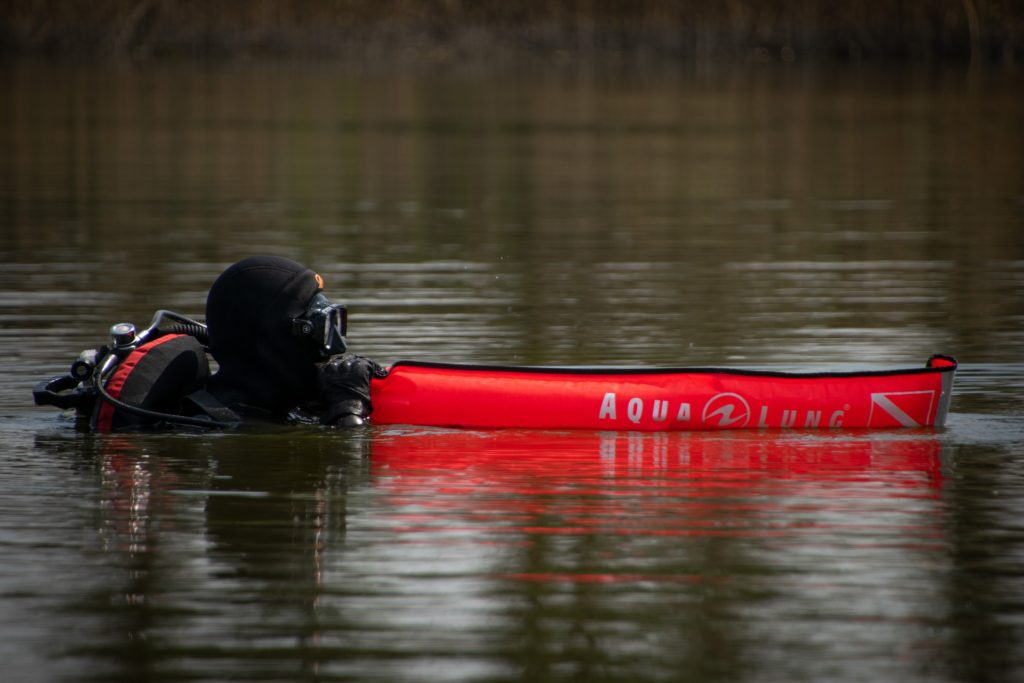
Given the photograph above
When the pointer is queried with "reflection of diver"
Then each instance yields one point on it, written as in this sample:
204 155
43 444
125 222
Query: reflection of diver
278 341
279 501
251 517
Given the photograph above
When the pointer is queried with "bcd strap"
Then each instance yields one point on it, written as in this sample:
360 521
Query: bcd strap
208 404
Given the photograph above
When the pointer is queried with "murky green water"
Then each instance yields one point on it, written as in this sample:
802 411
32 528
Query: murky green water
782 219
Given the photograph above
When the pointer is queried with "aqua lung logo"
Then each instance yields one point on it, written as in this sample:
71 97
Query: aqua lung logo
726 410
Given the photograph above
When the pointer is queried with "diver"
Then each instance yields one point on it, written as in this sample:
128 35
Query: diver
279 343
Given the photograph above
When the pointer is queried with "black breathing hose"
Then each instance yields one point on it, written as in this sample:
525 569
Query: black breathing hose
192 329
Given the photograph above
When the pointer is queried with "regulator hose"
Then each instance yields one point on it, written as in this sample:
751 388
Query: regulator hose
182 325
192 329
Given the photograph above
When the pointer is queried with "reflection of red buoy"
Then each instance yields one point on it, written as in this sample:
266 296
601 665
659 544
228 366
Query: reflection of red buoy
661 399
512 489
532 457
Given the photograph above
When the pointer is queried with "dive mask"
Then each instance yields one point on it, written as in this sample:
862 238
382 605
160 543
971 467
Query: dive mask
324 324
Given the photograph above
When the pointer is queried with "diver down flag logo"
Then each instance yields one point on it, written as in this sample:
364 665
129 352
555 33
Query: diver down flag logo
901 409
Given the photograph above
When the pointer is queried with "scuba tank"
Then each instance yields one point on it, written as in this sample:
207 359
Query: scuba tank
141 379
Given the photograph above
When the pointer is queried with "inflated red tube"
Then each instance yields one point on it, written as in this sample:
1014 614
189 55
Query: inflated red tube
449 395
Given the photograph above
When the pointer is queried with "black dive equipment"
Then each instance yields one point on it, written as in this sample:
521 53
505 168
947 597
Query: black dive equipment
325 324
169 358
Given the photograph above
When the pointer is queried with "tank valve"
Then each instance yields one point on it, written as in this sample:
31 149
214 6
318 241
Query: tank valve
122 335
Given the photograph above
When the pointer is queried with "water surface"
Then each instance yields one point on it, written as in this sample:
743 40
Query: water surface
771 219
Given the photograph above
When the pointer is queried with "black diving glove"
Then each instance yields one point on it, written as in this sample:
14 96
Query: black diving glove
344 384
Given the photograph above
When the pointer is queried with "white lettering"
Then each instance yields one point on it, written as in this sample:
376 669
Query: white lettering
635 409
813 418
660 411
788 418
837 419
607 407
763 420
684 413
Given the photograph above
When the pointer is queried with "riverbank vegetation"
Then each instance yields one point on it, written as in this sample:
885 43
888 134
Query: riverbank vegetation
977 31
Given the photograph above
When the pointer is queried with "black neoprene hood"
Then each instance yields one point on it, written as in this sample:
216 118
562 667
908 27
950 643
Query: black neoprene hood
249 313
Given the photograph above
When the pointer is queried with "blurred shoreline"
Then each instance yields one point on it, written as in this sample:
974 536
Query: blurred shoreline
439 32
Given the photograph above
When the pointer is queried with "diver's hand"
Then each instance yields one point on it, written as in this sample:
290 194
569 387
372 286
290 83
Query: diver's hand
346 414
344 385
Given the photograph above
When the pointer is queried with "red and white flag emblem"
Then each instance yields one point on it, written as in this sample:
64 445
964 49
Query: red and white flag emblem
901 409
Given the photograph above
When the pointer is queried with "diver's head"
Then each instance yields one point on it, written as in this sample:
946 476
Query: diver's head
269 324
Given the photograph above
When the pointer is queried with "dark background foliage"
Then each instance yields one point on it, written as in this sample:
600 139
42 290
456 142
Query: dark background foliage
981 31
